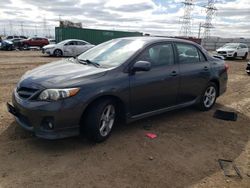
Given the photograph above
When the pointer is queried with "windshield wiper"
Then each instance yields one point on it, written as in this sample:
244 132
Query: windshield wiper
87 61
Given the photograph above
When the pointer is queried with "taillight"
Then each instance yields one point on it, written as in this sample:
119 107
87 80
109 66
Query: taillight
226 67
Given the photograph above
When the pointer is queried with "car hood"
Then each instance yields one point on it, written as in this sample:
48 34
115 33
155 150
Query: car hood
49 46
226 49
63 73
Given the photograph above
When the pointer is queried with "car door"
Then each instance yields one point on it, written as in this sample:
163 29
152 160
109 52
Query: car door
242 50
157 88
69 48
32 42
81 46
194 72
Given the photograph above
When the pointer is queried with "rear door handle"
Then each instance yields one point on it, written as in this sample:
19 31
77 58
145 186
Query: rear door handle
173 73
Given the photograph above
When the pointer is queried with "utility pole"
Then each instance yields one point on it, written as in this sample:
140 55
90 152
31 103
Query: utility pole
186 18
21 25
11 28
199 34
4 31
36 30
44 27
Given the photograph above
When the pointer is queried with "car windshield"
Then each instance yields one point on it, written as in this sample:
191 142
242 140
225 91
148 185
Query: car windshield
230 46
112 53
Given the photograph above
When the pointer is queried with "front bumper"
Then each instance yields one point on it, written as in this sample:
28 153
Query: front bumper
37 116
47 51
225 54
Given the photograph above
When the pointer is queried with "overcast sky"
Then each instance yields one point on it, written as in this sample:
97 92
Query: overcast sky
160 17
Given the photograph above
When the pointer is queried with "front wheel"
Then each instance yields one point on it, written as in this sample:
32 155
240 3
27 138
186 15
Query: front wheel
245 56
58 53
208 98
235 55
100 120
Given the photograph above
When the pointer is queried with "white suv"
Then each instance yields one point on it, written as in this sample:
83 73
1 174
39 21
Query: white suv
233 50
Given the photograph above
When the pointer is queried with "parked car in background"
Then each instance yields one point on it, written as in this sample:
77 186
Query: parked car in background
71 47
17 42
132 78
233 50
6 45
15 37
52 41
34 41
248 68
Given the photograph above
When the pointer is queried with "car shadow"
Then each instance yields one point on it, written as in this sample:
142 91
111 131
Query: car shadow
187 147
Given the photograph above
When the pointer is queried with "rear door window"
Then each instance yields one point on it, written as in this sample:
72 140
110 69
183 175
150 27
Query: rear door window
81 43
188 53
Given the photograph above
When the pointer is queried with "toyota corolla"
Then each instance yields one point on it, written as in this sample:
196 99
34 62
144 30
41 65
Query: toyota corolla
128 78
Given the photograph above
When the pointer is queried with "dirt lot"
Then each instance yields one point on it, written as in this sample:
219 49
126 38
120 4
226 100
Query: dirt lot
185 153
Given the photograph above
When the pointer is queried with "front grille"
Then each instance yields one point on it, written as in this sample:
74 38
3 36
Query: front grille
222 52
25 92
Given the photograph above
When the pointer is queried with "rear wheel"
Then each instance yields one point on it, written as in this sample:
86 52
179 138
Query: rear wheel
58 53
208 98
245 56
100 120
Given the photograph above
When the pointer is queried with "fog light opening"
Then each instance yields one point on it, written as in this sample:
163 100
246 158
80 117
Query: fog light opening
48 123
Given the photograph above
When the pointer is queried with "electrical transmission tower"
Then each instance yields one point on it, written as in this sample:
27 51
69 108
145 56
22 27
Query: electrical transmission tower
186 19
210 11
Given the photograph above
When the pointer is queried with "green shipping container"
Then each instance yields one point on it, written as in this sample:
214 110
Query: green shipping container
93 36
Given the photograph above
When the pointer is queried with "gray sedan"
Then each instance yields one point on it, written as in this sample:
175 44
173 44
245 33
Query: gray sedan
128 78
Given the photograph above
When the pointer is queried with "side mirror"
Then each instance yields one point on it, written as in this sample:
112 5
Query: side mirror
141 66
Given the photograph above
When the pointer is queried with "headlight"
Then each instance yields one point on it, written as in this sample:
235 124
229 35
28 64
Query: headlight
49 48
57 94
230 52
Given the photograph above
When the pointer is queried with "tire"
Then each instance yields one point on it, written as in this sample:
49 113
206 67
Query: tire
58 53
100 120
245 56
25 46
235 55
208 97
9 48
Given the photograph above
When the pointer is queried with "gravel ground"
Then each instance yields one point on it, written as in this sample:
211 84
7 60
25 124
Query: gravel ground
185 153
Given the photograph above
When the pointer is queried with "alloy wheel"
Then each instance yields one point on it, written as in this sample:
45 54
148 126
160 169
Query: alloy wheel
107 120
209 96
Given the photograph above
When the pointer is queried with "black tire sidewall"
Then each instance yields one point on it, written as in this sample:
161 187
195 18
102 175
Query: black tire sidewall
201 105
235 55
92 120
245 56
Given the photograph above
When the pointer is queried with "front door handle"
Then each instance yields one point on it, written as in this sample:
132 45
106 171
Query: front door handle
173 73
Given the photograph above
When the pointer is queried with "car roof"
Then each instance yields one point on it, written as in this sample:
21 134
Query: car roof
67 40
236 43
149 39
